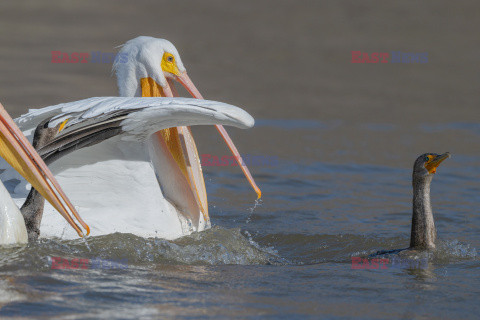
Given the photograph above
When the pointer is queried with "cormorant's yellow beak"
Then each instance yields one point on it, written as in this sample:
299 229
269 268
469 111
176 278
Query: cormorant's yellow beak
433 164
19 153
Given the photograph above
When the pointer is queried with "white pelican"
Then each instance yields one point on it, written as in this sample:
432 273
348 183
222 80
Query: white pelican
17 151
106 154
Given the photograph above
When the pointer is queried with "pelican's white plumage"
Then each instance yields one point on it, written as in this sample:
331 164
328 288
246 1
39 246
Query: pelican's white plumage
12 225
114 183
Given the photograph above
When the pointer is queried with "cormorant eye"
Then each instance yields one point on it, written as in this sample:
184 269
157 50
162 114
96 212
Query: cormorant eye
427 158
170 59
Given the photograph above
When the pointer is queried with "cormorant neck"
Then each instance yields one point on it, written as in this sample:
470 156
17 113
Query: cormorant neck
424 233
32 208
32 211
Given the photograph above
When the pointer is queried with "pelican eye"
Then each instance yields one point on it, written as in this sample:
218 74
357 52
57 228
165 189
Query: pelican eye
170 58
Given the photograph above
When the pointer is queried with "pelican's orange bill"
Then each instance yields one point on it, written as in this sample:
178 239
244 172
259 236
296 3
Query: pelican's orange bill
20 154
184 79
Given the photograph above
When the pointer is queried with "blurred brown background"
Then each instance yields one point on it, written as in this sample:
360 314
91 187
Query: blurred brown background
276 59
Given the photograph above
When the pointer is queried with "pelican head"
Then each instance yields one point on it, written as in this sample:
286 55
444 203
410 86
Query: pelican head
423 233
150 63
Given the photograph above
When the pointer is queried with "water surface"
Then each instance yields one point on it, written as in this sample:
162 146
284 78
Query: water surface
341 137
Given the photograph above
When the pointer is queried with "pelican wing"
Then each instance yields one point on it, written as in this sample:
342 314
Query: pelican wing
157 113
86 122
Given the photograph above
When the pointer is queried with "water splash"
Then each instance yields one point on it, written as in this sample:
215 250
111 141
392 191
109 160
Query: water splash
84 238
454 250
216 246
258 202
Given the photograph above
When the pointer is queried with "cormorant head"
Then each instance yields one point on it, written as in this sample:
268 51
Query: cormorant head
426 165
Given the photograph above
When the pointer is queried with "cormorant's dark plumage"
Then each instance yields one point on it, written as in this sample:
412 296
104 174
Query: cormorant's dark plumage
424 234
